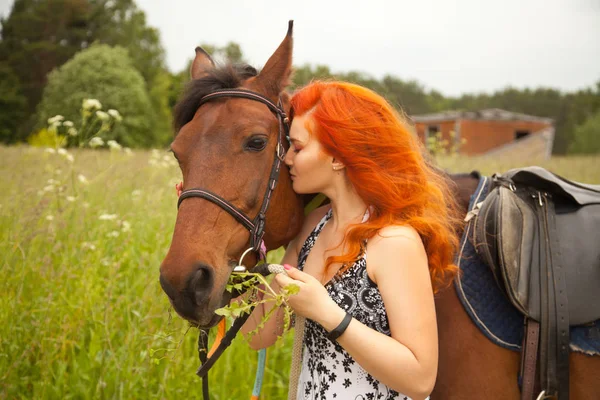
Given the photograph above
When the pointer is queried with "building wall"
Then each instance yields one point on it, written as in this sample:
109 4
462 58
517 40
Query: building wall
482 136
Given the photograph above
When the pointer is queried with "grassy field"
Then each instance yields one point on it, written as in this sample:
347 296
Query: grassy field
82 315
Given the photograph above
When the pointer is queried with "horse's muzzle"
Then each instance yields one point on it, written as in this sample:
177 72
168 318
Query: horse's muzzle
192 302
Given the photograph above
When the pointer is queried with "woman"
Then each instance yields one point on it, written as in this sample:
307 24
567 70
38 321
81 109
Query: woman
368 263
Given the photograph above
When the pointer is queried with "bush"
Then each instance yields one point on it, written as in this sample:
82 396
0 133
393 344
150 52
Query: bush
46 138
586 137
107 74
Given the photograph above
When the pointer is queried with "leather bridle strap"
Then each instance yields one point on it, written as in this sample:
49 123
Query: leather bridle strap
256 227
224 204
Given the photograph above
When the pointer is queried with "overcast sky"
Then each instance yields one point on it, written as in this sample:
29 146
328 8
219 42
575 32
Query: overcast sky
460 46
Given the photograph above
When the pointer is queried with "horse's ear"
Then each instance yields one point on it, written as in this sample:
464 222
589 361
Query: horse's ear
202 63
275 75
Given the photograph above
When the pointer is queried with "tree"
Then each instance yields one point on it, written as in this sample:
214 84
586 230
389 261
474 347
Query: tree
12 104
38 36
108 75
586 137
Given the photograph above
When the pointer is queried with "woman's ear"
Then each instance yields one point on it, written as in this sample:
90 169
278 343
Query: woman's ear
337 165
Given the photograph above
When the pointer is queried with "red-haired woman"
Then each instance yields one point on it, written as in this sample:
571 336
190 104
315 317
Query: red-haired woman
368 263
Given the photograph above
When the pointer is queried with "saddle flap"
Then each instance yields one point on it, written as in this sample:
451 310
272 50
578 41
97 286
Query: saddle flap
519 250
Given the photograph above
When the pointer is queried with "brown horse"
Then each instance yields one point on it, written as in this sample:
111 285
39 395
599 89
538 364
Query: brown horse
228 146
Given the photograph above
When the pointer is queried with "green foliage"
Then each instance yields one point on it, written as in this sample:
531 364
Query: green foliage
230 53
260 293
586 138
38 36
106 74
438 146
12 104
47 138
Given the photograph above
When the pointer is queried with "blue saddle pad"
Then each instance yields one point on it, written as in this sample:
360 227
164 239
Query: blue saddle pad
490 309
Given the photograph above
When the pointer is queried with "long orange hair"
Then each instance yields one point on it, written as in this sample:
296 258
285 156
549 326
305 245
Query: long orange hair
385 163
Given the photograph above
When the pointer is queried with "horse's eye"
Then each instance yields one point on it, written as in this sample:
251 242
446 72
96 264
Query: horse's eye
256 143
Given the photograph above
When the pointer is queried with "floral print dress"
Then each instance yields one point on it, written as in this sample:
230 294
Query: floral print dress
328 371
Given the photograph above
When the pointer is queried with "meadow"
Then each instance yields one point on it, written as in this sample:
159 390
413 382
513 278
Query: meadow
82 315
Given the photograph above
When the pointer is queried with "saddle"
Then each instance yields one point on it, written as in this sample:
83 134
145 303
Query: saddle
540 235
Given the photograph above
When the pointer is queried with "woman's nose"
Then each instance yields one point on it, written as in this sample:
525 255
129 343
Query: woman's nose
288 157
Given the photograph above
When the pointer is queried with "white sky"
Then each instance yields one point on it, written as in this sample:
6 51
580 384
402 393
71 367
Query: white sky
460 46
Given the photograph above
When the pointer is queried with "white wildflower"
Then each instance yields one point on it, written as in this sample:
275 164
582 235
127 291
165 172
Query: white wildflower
48 188
68 124
114 145
86 205
49 217
52 181
72 132
96 142
107 217
55 120
70 158
82 179
62 152
88 246
125 226
91 103
115 114
136 193
102 116
50 150
113 234
156 153
152 161
70 198
105 262
127 151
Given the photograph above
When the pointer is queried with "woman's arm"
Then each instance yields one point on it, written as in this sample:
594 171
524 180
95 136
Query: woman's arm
274 327
406 361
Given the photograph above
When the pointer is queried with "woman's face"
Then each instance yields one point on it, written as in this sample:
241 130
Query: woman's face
310 167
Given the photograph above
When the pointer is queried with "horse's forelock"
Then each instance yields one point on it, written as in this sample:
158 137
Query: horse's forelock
229 76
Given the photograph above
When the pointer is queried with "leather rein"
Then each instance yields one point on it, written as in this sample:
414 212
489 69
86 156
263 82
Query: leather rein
255 226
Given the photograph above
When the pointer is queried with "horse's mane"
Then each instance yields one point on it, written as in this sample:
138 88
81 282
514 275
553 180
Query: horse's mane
229 76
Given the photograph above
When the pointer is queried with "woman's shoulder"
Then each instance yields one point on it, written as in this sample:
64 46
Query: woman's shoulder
395 239
394 250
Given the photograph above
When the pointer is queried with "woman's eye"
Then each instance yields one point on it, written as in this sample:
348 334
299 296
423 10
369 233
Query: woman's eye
256 144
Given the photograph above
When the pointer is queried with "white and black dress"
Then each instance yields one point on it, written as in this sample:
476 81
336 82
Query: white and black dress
328 371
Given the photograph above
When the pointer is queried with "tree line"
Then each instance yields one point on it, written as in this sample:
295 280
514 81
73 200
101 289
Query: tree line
41 36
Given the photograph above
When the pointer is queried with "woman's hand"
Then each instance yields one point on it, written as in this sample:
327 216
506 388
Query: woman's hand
312 301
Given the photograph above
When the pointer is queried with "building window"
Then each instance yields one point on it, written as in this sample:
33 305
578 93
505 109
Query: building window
521 134
430 135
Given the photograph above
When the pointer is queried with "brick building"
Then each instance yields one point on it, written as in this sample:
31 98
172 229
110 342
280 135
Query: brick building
491 131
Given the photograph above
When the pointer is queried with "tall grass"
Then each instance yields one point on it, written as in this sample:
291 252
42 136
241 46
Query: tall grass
82 315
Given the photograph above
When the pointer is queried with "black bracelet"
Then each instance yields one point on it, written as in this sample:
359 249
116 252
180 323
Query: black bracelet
340 329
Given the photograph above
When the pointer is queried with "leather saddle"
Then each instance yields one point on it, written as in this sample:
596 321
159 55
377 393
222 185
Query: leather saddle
540 235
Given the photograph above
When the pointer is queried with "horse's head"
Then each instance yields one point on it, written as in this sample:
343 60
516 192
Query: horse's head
227 146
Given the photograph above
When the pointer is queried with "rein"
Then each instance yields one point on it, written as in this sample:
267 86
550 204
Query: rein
255 226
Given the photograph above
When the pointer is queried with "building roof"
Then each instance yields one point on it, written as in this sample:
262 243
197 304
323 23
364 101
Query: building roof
489 114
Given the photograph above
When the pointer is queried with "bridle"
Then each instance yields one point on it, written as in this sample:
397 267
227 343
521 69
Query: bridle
255 226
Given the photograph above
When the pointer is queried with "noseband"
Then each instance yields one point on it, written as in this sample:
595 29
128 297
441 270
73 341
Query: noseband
255 226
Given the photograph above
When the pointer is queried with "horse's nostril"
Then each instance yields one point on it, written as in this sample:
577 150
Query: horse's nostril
200 284
167 288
